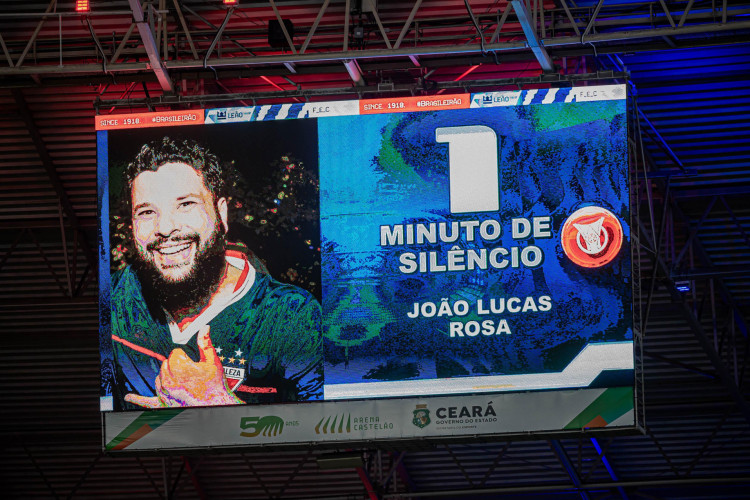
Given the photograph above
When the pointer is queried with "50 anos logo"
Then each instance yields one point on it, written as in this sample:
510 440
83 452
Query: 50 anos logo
270 425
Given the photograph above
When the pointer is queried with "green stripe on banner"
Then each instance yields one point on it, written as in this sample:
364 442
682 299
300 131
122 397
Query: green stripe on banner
142 425
608 407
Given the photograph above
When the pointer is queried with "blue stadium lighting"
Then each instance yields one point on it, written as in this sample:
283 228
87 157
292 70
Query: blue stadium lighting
682 286
607 465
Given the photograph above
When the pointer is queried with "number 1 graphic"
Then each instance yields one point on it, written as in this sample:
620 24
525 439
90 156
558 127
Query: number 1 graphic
473 168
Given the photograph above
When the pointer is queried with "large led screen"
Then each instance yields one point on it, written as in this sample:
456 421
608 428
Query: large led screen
455 260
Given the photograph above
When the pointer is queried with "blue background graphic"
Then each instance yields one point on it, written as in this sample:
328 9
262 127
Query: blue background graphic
388 169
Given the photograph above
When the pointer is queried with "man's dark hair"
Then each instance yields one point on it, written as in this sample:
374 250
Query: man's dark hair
156 153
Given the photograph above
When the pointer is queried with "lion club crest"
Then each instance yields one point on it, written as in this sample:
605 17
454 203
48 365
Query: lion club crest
592 237
421 416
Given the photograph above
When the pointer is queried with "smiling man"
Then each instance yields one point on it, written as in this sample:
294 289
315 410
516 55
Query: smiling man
194 323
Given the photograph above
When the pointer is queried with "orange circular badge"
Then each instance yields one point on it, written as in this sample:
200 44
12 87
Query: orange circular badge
592 237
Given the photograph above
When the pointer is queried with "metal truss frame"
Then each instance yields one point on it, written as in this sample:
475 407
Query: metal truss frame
75 283
102 105
713 316
721 330
636 256
582 460
174 39
654 233
578 459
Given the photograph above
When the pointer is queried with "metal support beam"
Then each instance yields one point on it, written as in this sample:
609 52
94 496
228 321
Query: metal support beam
653 133
165 477
408 22
293 474
666 11
656 247
691 369
185 28
647 483
84 475
214 27
460 466
314 27
534 43
590 25
733 271
693 231
403 472
661 142
593 467
394 468
68 268
705 448
480 31
167 100
152 50
735 220
355 72
645 22
706 344
609 467
664 455
41 473
194 477
98 45
283 27
501 23
563 43
562 457
52 4
685 14
150 478
371 493
347 15
257 477
226 89
217 37
122 43
723 289
693 239
570 17
162 38
9 252
382 29
5 51
498 458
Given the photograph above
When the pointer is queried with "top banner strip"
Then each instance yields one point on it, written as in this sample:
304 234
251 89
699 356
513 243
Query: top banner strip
148 120
270 112
410 104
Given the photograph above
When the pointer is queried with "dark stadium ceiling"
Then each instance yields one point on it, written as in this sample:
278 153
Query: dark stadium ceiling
204 47
688 63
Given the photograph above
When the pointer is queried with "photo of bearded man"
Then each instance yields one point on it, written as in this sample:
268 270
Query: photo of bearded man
196 319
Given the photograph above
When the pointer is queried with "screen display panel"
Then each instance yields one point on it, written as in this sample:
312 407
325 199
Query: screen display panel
455 260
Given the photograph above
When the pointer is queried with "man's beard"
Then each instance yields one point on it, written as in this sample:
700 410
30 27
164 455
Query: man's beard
192 292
